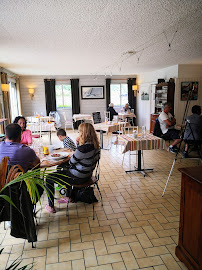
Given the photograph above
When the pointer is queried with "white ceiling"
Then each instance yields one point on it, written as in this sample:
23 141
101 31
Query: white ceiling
83 37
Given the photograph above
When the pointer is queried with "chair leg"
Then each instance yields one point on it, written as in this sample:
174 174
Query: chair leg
123 158
99 193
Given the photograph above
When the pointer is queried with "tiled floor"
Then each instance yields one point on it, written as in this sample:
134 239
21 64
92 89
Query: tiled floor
136 228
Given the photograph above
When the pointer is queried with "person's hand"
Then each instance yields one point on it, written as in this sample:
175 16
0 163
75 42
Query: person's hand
77 140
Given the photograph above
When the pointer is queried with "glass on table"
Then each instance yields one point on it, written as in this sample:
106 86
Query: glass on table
143 131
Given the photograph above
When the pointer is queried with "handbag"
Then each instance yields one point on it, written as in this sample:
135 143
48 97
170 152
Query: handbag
85 194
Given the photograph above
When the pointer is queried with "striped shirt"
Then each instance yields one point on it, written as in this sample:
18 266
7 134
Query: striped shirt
69 144
84 160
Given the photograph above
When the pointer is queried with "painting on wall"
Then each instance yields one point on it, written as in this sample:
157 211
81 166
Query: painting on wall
92 92
145 95
186 87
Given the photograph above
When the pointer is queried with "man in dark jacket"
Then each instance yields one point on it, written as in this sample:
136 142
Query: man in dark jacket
112 111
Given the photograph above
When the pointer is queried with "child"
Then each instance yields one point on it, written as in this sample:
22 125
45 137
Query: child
67 142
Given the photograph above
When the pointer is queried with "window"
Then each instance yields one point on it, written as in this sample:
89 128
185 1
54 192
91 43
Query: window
119 94
13 101
63 96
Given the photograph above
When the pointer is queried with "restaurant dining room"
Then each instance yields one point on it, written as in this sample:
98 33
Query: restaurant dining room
100 135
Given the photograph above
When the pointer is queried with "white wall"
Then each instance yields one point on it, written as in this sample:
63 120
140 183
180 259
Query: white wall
145 81
187 73
38 103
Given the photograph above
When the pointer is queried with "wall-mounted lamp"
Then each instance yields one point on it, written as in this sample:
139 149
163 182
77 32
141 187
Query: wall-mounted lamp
31 92
4 87
135 88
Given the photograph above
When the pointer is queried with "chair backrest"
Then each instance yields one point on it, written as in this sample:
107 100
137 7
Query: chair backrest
56 116
157 129
129 129
65 116
107 116
96 117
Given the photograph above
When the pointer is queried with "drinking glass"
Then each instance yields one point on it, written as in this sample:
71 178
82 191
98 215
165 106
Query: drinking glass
143 131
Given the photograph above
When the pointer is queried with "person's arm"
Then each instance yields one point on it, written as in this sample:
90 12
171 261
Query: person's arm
34 160
29 137
170 123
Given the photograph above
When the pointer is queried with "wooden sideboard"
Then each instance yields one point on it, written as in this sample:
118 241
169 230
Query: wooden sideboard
189 249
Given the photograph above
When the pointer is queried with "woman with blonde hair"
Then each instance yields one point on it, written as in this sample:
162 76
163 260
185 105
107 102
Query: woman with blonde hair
82 164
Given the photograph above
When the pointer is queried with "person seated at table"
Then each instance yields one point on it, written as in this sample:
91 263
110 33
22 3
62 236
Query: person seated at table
82 164
167 123
26 136
193 130
112 111
17 152
67 141
126 108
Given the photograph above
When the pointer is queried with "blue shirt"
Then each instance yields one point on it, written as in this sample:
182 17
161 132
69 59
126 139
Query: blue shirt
18 154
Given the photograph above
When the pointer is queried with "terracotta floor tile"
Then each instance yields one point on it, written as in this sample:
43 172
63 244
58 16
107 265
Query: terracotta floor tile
52 255
118 248
78 265
137 250
111 258
169 261
101 267
100 247
144 240
118 266
129 260
156 251
61 266
151 261
70 256
90 257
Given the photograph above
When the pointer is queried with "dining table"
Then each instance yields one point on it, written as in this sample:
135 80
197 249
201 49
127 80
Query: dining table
109 127
81 117
47 161
140 143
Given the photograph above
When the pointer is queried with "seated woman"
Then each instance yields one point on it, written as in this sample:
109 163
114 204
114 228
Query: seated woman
26 136
81 165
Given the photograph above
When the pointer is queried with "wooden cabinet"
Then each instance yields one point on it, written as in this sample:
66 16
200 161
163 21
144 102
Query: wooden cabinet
164 92
189 249
153 117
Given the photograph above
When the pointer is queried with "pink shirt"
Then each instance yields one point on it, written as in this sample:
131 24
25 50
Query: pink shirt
26 137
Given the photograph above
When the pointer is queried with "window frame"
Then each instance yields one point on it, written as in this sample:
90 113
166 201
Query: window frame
63 108
120 95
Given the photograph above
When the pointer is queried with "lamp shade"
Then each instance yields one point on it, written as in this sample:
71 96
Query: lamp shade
4 87
134 87
31 91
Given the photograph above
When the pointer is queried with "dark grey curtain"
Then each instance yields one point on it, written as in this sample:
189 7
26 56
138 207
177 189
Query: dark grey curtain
4 78
108 98
131 97
75 98
50 95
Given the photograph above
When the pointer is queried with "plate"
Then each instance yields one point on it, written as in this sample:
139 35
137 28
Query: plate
62 155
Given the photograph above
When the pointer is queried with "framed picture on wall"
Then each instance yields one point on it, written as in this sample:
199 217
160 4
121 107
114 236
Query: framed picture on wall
92 92
185 87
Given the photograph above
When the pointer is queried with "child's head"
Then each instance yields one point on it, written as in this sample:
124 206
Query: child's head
61 133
